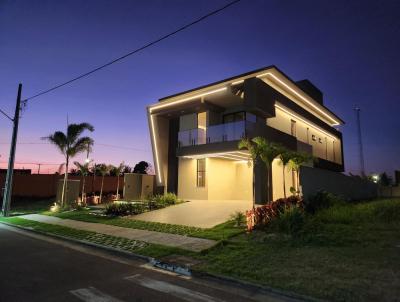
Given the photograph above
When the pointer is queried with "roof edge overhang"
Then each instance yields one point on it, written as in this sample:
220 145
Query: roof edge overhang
272 76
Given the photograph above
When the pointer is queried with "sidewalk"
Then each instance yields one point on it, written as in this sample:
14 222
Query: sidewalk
172 240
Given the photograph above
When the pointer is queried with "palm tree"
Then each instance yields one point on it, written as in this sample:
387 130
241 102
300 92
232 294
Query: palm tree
70 144
285 156
84 170
118 171
268 152
104 170
254 153
297 160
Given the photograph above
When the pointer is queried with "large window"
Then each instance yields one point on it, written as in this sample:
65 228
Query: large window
201 172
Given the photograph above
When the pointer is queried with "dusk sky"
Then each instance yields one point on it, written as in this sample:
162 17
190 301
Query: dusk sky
348 49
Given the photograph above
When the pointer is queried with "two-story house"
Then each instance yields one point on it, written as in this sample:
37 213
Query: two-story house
195 134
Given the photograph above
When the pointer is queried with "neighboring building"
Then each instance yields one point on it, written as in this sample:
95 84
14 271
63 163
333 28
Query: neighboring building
195 134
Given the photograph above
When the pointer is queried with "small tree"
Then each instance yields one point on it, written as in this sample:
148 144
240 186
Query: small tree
297 160
141 167
103 170
268 152
70 144
84 171
254 153
118 172
285 156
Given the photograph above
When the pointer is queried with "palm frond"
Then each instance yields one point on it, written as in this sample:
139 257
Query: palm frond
58 139
75 130
82 144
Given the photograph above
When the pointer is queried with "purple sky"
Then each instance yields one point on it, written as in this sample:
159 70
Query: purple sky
349 49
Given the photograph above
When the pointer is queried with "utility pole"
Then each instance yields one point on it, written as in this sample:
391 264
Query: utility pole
10 170
360 144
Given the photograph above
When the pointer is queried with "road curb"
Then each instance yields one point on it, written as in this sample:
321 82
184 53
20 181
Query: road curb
176 268
88 243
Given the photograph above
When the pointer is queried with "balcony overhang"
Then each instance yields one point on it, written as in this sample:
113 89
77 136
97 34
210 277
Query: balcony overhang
221 147
232 156
216 100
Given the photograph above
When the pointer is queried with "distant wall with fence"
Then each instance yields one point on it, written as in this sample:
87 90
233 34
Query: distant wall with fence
349 187
390 191
45 185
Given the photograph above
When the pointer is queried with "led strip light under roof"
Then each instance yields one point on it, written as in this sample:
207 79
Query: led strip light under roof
228 155
167 104
304 121
299 95
155 148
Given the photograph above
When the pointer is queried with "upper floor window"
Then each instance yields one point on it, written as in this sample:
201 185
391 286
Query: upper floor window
293 127
238 117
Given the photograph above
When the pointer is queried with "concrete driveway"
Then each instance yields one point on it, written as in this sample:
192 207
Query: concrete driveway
197 213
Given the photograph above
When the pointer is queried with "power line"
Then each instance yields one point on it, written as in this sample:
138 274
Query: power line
96 144
134 51
6 115
43 164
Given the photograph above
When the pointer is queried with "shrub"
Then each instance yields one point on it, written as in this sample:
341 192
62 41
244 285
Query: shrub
321 200
290 221
263 215
387 211
167 199
238 218
124 208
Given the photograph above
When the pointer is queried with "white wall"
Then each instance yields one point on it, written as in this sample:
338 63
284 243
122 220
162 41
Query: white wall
187 181
225 180
323 145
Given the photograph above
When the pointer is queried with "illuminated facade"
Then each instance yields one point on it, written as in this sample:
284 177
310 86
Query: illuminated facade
195 134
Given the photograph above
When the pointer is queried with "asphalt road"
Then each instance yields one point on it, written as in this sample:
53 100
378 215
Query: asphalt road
40 268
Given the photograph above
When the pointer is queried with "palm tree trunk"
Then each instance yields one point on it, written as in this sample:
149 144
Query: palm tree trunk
254 185
101 189
83 190
284 182
117 186
268 187
65 184
298 182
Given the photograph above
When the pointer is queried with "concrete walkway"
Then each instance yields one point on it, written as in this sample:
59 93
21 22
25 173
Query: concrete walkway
172 240
197 213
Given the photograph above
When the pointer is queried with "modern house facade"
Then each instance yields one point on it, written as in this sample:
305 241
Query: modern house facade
195 135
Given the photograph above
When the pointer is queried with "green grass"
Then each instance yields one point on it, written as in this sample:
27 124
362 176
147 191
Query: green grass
345 253
220 232
29 206
128 245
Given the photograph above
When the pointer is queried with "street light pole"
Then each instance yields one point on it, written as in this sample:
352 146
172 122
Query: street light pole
10 170
360 144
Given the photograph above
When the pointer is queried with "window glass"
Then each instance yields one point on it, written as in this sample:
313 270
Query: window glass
251 117
201 172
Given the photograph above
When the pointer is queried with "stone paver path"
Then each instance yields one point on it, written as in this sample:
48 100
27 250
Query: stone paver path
172 240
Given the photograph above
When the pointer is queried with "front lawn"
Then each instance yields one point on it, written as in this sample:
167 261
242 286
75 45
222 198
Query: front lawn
344 253
30 205
347 252
124 244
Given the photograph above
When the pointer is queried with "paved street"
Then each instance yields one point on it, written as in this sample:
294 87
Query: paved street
39 268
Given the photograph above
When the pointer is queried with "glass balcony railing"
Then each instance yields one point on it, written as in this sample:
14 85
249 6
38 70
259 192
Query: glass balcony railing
214 134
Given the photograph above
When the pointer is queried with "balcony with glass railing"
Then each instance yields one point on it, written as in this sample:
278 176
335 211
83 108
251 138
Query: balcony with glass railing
214 134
